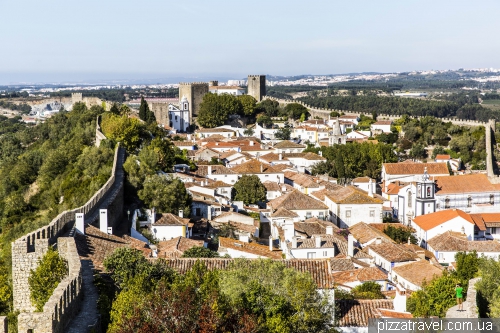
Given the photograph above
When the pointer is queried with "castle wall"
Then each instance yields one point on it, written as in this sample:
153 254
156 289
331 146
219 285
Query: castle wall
194 93
29 248
3 324
99 136
161 112
257 86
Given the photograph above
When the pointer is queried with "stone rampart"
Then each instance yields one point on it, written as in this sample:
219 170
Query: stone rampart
65 300
470 305
99 136
3 324
29 248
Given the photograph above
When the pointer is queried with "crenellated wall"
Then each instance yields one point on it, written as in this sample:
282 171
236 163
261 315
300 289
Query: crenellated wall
65 300
27 250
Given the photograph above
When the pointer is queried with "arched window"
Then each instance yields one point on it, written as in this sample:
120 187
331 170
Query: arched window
410 199
469 201
447 203
492 199
340 141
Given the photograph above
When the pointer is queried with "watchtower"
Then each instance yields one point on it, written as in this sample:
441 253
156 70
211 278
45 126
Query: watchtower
76 97
257 86
194 93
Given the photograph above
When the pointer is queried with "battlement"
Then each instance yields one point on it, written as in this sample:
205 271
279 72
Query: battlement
257 76
193 83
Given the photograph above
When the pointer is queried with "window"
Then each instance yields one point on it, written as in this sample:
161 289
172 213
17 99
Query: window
493 230
469 201
175 118
347 213
325 253
198 211
311 255
428 191
492 199
441 256
447 203
410 199
308 215
372 213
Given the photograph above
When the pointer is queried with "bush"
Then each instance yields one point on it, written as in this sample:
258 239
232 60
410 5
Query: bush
44 279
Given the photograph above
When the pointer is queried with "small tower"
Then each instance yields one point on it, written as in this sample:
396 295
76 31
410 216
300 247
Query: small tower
425 199
336 137
257 86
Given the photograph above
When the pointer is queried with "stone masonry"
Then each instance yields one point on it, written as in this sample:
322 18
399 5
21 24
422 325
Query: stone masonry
257 86
194 93
3 324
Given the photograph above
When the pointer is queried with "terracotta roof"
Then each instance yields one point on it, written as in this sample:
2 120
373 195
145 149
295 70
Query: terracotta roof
383 122
318 268
341 264
308 156
364 233
478 221
359 275
418 271
215 145
393 188
270 157
393 252
353 195
281 167
316 227
296 200
272 186
282 212
442 157
216 170
327 241
240 226
96 245
213 130
175 247
347 116
432 220
253 248
254 166
491 220
386 313
182 143
363 180
477 183
170 219
355 261
355 313
457 242
288 144
302 179
217 184
412 168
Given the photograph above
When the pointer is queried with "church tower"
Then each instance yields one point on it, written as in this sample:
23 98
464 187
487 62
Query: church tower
425 200
336 137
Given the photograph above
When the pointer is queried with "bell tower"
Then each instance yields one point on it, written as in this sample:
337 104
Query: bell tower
425 200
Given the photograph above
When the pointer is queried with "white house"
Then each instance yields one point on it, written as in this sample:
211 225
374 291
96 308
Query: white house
381 126
316 247
178 117
170 226
217 172
446 245
367 184
455 163
303 205
410 276
287 146
230 90
430 225
219 131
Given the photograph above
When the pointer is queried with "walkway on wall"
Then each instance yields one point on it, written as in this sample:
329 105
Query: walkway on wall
89 316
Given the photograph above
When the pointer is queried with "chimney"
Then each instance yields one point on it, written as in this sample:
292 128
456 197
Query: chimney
280 156
421 254
261 168
283 189
206 182
329 230
181 213
79 223
251 143
320 153
209 213
209 169
409 240
216 143
318 241
370 188
350 246
270 243
294 243
103 220
378 240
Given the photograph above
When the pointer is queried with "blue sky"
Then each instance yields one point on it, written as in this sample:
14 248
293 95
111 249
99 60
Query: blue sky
68 40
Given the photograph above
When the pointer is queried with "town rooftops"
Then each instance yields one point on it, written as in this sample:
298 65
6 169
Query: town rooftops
442 157
319 269
296 200
203 170
418 271
270 157
253 248
457 242
254 166
214 130
283 212
307 156
169 219
477 183
288 144
393 252
175 247
383 122
359 275
428 221
312 227
412 168
490 220
363 180
353 195
355 313
364 233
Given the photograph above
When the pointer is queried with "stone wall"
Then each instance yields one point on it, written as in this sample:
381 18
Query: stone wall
99 136
257 86
470 305
194 93
161 113
29 248
65 300
3 324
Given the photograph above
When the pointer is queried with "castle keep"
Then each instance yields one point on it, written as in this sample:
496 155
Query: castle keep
194 93
257 86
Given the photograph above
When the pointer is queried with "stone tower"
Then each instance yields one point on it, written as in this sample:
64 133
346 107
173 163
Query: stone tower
336 137
194 93
76 97
257 86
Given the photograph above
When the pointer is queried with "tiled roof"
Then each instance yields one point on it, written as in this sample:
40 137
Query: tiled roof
310 243
318 268
96 245
355 313
254 166
296 200
477 183
240 226
456 242
317 227
353 195
175 247
272 157
478 221
364 233
341 264
418 271
386 313
288 144
281 167
363 180
355 261
213 130
442 157
308 156
393 188
429 221
283 212
216 170
411 168
217 184
253 248
359 275
382 226
182 143
215 145
169 219
383 122
272 186
393 252
490 220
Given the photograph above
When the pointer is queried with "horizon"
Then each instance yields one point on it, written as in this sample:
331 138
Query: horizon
111 40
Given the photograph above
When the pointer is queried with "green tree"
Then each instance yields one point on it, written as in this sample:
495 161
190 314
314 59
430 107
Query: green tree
250 190
215 110
264 121
200 252
437 151
296 110
114 109
400 234
166 194
269 107
44 279
418 151
128 131
435 297
145 113
124 264
248 132
368 290
283 133
248 105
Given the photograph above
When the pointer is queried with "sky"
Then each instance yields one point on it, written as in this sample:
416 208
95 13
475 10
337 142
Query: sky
76 41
